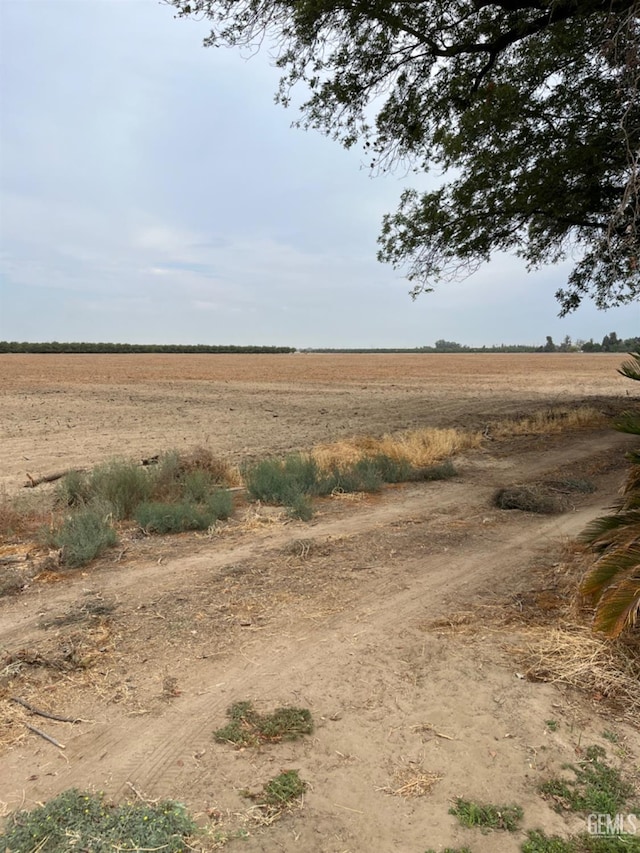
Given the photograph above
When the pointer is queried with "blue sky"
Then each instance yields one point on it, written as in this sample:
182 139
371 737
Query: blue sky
152 192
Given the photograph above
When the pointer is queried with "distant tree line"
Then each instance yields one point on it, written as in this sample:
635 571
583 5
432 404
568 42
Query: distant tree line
610 343
57 347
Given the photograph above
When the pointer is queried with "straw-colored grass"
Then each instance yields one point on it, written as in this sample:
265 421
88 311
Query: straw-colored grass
550 421
417 447
574 656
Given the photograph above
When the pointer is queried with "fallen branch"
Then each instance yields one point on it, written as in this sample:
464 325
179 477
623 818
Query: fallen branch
46 714
13 558
32 482
45 736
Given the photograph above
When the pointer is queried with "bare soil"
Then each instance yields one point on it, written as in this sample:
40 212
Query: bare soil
353 615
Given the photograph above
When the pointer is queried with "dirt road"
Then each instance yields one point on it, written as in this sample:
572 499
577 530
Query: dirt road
350 616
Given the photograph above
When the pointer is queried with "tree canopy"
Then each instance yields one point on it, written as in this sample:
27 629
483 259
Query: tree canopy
528 110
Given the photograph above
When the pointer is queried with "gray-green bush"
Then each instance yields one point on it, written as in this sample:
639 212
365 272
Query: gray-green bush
83 536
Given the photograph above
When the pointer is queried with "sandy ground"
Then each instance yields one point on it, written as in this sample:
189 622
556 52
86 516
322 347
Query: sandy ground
352 615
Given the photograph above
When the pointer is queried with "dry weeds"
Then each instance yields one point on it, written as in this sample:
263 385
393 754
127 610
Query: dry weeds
574 656
549 422
548 630
418 447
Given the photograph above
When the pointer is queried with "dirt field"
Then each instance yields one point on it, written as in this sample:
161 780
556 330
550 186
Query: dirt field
400 620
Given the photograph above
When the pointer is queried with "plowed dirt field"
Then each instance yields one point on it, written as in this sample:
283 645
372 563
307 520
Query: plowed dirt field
406 622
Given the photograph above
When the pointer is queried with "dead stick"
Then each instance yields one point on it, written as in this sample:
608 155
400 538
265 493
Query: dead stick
45 736
32 482
46 714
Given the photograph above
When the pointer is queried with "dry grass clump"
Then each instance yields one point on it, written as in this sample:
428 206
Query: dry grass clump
410 783
533 498
549 631
203 459
417 447
549 421
20 517
574 656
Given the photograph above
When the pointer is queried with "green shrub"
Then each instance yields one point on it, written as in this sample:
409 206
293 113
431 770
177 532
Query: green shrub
197 486
361 476
74 489
393 470
440 471
299 507
83 536
220 503
80 821
156 517
281 481
124 485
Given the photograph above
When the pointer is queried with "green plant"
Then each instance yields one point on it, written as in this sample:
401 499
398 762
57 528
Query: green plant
392 469
74 489
83 536
300 507
80 821
220 504
124 485
361 476
538 842
173 518
487 816
613 583
278 481
197 486
441 471
552 725
282 789
249 728
451 850
597 787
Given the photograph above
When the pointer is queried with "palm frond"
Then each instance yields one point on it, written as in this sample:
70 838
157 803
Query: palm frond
612 529
631 367
612 568
619 606
628 422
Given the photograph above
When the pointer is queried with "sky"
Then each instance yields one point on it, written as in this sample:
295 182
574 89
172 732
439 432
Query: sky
151 191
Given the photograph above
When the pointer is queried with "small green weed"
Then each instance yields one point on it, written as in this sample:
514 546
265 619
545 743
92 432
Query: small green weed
612 737
84 536
249 728
451 850
282 790
597 787
80 821
487 816
552 725
538 842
